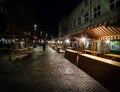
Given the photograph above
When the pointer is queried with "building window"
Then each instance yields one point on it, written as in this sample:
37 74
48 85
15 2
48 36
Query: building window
69 26
86 2
79 20
97 11
118 4
114 4
64 29
86 17
74 23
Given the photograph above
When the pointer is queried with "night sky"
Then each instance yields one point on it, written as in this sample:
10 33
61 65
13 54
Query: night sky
49 12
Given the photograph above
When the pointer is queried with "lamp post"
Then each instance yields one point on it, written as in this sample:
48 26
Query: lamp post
83 42
46 35
107 47
41 33
35 35
35 27
67 43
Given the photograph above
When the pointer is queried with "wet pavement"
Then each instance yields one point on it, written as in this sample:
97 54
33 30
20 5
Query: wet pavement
45 71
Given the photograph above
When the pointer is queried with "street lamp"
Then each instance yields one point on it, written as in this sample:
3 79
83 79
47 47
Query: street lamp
41 33
108 41
35 27
67 41
46 35
83 43
35 35
83 39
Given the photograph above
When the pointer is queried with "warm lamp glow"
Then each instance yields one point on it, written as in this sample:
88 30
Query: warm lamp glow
83 39
108 41
61 42
58 41
35 25
67 41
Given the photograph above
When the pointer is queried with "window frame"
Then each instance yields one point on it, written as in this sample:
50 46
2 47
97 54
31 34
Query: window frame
97 11
86 17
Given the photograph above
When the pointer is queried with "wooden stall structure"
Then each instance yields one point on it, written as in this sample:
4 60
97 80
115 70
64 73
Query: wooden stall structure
72 56
19 43
102 41
107 72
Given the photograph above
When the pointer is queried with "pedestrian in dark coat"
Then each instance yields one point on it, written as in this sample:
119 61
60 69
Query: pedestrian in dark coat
44 46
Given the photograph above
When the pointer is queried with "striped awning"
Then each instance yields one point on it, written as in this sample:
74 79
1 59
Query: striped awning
105 32
79 35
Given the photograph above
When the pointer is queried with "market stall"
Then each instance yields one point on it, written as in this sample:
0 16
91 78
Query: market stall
19 43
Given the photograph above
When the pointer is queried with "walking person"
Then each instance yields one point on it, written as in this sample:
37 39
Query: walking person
44 46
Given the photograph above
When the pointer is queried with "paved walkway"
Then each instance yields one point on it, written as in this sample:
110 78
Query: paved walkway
45 71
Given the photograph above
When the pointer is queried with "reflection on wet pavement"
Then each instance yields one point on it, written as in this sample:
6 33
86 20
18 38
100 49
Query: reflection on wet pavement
46 71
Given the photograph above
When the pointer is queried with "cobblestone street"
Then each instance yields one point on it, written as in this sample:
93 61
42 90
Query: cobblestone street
45 71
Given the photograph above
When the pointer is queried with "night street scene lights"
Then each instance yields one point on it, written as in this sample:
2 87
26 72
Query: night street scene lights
83 39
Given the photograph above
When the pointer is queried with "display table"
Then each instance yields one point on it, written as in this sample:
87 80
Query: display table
103 70
112 56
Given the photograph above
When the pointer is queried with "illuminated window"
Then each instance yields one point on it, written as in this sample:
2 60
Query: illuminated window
97 11
114 4
86 17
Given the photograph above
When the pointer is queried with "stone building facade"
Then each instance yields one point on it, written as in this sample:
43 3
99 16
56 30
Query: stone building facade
95 19
90 13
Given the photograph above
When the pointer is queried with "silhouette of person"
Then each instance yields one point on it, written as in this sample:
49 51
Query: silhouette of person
44 46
